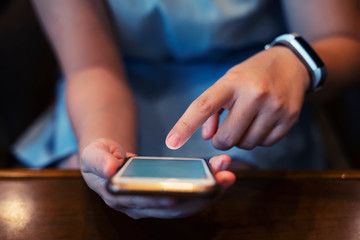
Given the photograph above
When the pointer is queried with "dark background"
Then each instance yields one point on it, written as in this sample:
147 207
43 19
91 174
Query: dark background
27 71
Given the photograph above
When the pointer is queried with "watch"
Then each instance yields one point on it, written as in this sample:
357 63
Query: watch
306 55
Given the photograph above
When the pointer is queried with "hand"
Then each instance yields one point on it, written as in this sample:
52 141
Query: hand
263 95
100 160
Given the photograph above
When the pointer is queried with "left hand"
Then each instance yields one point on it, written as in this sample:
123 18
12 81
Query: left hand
264 97
102 158
172 207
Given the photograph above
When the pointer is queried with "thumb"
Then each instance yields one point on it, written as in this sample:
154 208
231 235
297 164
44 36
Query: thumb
102 158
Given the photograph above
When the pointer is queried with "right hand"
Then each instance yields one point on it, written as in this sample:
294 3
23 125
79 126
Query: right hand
101 159
263 95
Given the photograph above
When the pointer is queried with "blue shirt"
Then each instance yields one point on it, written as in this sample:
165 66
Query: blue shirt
173 51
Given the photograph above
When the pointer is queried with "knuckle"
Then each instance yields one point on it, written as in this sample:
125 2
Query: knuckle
278 105
271 140
204 104
224 142
186 126
246 145
260 93
293 115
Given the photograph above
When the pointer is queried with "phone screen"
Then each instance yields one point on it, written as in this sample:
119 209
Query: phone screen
164 176
160 168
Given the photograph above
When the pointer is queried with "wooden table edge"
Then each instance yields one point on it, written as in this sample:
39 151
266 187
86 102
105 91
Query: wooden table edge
39 173
240 174
299 174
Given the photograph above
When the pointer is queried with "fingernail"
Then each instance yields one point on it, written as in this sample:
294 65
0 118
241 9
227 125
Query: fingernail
173 141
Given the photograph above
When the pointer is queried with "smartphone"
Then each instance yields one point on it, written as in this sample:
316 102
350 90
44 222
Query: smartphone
164 176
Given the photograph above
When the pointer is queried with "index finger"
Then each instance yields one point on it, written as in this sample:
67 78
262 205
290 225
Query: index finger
207 104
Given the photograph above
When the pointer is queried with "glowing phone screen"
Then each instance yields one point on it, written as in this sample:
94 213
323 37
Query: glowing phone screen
158 168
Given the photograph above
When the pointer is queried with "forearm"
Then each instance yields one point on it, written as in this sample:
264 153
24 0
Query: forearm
101 107
341 55
332 28
98 99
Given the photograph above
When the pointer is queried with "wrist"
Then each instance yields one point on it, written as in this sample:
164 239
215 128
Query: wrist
297 67
304 52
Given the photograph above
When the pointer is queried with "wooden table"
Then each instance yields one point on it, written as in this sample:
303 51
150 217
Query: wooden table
55 204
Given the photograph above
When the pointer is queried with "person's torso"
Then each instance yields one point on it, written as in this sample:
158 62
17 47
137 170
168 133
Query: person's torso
159 30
